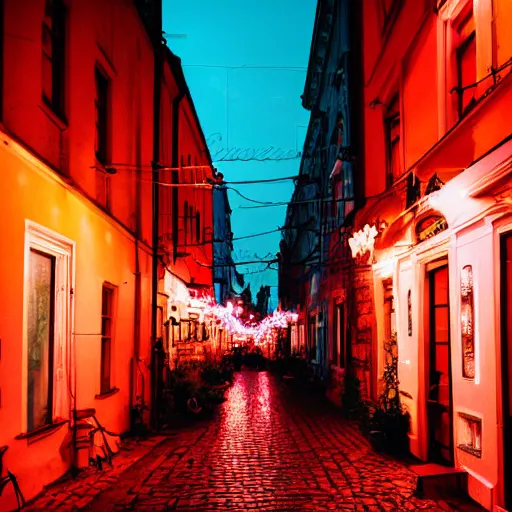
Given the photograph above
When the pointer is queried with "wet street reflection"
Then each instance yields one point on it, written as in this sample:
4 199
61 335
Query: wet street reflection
270 447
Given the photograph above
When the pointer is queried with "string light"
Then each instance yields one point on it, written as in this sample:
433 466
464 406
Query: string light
228 318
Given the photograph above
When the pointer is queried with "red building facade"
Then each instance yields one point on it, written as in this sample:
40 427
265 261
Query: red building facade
424 256
427 244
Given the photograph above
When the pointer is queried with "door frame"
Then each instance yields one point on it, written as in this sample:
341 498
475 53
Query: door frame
431 250
439 263
506 374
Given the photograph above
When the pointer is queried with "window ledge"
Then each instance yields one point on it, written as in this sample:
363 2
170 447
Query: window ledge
107 394
469 449
41 432
59 121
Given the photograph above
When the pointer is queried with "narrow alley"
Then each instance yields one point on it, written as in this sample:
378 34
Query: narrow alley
269 448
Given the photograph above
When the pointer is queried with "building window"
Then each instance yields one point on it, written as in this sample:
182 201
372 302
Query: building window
191 221
466 62
107 320
40 331
338 353
312 337
198 227
101 112
470 434
53 56
392 133
467 322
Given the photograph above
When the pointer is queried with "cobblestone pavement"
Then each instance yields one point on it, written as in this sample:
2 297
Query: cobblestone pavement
267 449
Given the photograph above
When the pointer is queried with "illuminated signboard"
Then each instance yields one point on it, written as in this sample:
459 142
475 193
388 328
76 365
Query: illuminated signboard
430 226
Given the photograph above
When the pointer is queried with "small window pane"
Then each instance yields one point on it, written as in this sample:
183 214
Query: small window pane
107 296
47 78
105 365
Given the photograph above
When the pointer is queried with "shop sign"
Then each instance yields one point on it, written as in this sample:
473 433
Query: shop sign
430 226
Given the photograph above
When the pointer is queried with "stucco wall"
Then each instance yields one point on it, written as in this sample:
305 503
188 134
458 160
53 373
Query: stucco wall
104 252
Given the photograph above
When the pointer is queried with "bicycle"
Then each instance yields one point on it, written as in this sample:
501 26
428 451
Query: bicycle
4 481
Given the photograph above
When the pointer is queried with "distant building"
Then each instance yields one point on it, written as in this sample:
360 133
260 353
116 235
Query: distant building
425 254
227 282
312 246
186 223
434 256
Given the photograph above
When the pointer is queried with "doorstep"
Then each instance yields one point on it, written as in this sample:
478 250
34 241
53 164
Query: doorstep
448 484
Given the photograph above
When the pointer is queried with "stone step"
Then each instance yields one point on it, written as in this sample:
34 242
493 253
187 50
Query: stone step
434 479
438 482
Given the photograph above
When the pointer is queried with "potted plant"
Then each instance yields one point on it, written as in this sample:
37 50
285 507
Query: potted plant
388 424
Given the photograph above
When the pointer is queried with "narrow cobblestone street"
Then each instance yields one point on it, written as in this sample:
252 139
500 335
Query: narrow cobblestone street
269 448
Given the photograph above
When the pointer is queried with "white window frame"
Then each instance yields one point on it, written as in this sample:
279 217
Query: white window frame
46 241
447 43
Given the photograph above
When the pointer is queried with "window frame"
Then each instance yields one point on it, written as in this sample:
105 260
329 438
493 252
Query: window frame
393 120
460 52
101 115
63 249
107 338
57 60
451 16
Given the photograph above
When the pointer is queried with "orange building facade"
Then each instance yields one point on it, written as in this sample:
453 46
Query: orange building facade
76 222
435 253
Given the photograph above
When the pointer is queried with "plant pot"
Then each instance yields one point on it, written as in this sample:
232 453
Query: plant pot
377 440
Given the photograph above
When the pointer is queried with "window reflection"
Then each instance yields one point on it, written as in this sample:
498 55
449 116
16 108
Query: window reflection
41 289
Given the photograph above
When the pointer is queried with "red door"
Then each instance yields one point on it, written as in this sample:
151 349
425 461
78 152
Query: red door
439 398
506 366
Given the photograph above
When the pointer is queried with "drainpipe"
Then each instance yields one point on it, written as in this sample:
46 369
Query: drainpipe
157 76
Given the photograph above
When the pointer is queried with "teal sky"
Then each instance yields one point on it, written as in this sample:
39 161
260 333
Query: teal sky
251 108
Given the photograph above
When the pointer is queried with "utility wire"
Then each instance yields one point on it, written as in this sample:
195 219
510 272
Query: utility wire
280 68
273 180
266 203
257 234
